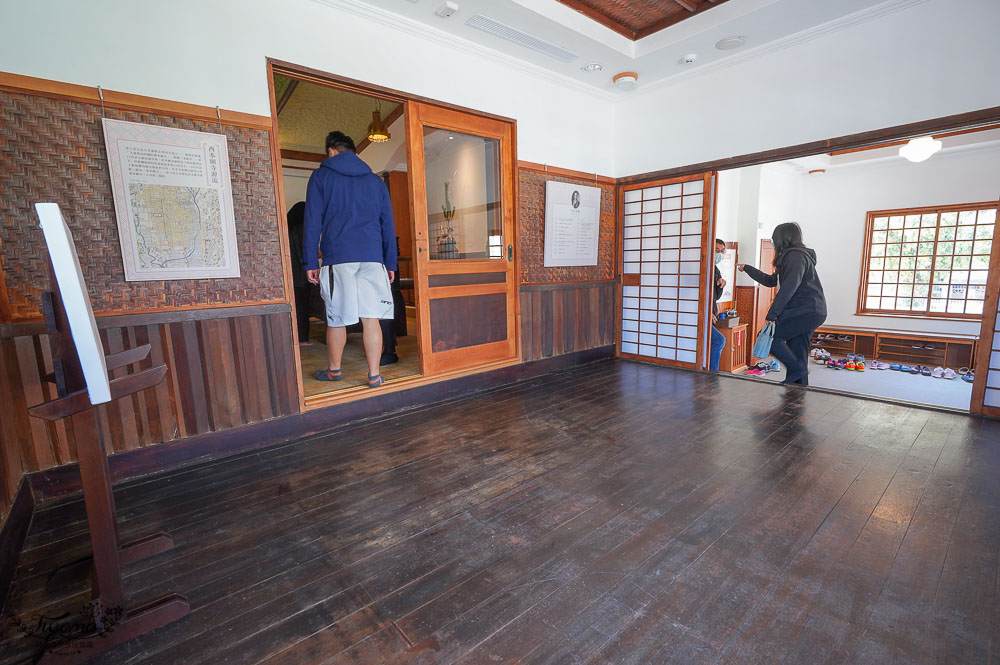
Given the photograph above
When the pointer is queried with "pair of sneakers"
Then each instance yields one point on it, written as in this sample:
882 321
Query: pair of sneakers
855 362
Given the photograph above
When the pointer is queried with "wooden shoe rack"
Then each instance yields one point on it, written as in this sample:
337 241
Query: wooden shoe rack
893 346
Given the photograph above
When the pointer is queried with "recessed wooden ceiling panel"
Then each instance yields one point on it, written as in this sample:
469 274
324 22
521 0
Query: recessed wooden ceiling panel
640 18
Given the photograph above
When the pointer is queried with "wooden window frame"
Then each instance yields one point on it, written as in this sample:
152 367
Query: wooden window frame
863 310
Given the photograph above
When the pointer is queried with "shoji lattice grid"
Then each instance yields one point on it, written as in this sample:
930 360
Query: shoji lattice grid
663 229
991 398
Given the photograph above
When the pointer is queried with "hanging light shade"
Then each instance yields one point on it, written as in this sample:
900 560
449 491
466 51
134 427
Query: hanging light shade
377 131
917 150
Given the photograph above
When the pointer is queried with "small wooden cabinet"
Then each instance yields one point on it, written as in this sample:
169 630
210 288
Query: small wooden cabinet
734 354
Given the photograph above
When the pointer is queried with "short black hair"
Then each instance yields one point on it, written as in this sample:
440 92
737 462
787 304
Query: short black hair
720 241
340 142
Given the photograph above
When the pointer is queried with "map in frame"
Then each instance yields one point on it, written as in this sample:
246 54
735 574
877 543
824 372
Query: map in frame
173 200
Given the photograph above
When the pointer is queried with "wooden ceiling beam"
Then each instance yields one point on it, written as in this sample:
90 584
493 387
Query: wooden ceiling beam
688 5
286 96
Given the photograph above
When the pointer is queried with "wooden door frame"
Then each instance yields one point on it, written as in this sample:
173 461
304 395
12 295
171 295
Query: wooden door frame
319 77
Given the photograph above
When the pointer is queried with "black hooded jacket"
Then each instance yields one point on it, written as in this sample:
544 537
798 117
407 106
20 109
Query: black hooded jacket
799 290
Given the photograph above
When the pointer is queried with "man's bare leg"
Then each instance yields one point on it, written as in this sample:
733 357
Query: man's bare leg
336 339
373 344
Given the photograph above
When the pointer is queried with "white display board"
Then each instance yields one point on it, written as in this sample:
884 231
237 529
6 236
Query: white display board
572 224
173 200
727 267
76 301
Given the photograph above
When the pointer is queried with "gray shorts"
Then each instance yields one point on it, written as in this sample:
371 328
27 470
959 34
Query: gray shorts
354 291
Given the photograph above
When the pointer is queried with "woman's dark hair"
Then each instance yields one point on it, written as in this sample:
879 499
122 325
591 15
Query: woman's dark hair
784 237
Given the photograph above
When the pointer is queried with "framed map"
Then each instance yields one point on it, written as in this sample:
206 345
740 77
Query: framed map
173 200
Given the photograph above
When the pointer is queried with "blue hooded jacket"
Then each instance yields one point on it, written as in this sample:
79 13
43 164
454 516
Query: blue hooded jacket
349 212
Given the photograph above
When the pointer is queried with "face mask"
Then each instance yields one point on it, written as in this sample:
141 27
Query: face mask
719 257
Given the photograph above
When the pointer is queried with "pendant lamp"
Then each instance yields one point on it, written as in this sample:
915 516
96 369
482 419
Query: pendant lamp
377 131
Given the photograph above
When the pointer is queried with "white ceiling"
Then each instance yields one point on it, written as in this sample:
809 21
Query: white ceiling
765 24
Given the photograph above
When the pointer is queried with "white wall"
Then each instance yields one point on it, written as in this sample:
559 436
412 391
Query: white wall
933 59
832 209
212 52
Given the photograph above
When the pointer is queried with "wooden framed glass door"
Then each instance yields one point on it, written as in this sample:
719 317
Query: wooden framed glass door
462 183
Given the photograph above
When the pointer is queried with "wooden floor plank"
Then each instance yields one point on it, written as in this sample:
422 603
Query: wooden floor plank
613 513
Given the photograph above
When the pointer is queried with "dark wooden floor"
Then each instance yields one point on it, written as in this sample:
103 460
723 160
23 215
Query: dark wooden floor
615 513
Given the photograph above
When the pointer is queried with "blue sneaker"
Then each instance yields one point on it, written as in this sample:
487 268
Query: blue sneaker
774 366
895 366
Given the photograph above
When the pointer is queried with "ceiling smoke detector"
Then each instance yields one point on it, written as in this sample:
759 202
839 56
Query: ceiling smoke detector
729 43
626 81
592 67
446 9
689 59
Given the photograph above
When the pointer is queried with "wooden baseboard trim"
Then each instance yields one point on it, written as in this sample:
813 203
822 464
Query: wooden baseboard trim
65 480
12 535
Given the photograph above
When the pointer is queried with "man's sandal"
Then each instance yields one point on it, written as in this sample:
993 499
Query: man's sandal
329 374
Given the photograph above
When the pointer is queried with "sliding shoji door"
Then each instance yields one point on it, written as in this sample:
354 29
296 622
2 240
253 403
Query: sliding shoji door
667 243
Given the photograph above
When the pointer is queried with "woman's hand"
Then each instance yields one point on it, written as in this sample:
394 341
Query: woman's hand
740 266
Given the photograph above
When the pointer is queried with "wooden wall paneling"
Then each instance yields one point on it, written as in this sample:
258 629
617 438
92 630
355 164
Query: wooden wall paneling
63 443
565 318
20 432
286 388
10 449
33 393
219 371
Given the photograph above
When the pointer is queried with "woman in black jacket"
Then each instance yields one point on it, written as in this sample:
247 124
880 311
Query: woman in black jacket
800 306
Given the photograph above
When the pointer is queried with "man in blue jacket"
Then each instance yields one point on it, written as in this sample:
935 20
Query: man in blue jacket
349 219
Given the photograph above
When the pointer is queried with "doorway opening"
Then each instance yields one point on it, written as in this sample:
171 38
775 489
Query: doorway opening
451 176
306 112
905 252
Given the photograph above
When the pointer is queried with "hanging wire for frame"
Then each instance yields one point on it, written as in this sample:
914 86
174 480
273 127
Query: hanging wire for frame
218 113
100 93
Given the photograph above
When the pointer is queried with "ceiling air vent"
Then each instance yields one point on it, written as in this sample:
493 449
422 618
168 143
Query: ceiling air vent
486 24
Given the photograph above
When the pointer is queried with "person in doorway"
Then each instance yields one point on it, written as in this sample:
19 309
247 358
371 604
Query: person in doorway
296 222
799 308
349 218
718 284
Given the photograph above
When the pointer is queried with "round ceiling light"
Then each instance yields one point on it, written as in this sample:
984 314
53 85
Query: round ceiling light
626 81
593 67
918 150
729 43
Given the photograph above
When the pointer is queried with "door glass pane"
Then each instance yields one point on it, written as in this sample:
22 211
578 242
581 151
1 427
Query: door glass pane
464 218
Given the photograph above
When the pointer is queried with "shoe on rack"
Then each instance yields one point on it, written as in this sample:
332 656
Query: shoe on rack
937 372
949 373
929 346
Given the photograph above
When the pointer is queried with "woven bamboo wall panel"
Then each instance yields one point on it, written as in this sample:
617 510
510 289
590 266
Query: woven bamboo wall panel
531 232
53 150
